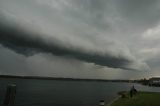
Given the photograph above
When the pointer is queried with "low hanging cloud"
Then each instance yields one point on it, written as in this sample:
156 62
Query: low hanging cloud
30 43
65 30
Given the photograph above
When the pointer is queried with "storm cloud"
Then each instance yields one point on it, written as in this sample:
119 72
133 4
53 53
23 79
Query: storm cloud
28 44
111 34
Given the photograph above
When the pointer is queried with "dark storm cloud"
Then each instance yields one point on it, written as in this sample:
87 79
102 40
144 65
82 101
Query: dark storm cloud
92 31
21 42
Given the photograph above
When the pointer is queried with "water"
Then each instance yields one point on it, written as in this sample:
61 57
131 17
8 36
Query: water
32 92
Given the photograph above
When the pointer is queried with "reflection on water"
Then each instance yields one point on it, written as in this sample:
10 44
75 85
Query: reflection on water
32 92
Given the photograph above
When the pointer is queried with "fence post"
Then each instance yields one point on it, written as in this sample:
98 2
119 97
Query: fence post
10 95
101 103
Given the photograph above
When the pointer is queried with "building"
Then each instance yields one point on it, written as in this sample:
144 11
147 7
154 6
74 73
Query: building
154 81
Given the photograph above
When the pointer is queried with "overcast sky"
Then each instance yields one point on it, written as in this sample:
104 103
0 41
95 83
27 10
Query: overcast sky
104 39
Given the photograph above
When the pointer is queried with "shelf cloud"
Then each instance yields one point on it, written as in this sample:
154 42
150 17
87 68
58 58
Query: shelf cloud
116 35
28 43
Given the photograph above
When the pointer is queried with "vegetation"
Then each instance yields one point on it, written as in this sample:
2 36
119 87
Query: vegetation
62 78
140 99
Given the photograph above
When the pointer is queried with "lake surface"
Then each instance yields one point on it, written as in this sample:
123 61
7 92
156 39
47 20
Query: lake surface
33 92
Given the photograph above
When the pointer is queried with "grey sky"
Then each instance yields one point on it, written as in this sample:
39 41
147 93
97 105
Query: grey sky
80 38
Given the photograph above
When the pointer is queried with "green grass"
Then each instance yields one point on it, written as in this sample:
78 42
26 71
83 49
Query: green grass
140 99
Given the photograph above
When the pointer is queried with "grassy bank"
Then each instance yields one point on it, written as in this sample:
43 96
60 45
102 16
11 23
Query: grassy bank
141 99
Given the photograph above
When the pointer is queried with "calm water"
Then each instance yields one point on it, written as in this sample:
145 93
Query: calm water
31 92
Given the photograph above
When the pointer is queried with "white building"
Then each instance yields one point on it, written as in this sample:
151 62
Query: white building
154 81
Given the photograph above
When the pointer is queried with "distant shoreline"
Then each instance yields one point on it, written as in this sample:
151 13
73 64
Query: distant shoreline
61 78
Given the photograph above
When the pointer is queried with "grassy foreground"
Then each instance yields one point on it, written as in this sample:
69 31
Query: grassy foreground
140 99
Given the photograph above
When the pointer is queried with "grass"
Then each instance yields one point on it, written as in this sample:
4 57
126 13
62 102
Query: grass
140 99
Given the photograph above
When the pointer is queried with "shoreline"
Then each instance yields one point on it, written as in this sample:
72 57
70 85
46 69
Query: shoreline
142 98
63 78
109 104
